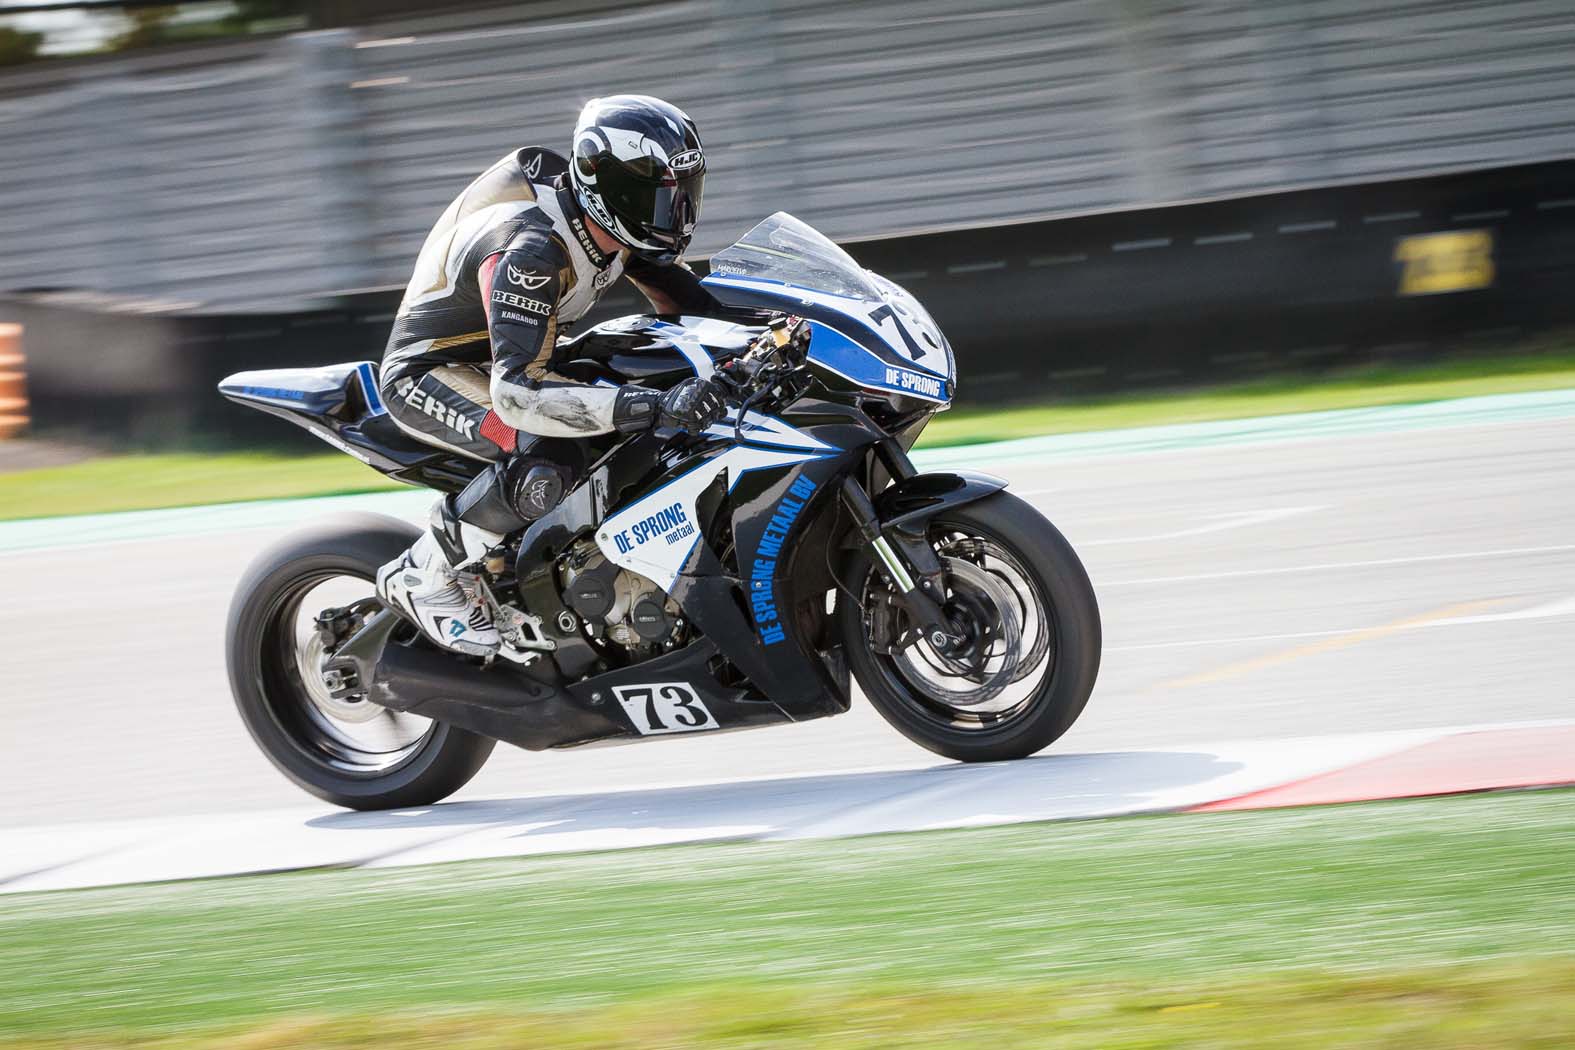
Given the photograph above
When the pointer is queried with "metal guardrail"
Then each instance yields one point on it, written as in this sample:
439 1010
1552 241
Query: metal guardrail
264 175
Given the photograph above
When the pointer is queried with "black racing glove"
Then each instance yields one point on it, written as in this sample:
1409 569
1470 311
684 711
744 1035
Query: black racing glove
692 405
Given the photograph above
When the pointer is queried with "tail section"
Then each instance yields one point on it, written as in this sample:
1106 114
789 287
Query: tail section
345 392
341 405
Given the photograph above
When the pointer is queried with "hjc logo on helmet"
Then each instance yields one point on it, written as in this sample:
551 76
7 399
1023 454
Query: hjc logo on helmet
687 160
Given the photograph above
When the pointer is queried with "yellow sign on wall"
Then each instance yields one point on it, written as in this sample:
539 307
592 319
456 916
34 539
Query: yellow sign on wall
1445 262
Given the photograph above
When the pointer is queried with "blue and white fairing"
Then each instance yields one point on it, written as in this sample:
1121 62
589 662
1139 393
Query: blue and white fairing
655 534
864 328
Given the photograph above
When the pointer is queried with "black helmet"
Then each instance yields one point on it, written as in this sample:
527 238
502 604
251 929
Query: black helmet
638 170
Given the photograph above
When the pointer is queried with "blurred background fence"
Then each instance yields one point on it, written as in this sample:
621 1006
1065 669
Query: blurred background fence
293 177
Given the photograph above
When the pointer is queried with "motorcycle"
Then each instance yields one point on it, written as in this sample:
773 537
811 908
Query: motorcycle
740 577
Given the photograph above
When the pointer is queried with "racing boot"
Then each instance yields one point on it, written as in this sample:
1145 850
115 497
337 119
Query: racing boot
429 585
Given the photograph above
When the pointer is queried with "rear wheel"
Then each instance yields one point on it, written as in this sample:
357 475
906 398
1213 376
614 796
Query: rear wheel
347 751
1018 597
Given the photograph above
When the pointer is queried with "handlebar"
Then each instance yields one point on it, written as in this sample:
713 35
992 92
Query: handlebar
759 372
781 349
776 354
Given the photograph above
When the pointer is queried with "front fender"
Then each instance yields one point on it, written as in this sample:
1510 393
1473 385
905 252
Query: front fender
910 503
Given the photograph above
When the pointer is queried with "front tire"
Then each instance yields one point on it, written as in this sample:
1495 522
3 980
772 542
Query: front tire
1018 545
421 763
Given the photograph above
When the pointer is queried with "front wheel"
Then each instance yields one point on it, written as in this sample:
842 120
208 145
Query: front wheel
1018 590
296 598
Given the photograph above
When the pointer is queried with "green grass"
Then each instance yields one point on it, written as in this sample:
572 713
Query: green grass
137 482
1433 923
1491 1006
141 482
1358 388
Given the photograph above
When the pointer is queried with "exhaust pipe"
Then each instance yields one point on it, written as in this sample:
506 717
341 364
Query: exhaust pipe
496 701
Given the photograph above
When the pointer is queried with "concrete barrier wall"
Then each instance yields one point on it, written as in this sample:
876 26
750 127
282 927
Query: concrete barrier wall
1225 290
1232 289
273 175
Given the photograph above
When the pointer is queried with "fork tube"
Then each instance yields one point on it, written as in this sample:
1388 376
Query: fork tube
920 605
892 456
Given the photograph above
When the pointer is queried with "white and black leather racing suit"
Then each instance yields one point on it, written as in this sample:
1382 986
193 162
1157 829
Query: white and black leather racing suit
469 365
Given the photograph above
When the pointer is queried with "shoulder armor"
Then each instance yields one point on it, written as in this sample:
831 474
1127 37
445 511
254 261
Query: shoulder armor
541 164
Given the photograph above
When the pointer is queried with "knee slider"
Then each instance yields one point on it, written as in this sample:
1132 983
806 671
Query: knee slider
484 503
510 495
534 486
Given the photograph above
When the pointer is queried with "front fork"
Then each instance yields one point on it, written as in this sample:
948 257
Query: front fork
904 557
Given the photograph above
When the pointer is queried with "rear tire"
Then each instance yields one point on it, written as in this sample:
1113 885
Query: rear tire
1050 707
273 702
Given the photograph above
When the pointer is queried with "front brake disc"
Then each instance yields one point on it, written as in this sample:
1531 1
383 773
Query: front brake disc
992 609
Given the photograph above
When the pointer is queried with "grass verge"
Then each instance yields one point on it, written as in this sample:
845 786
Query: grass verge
1355 388
145 482
139 482
1489 1006
1407 924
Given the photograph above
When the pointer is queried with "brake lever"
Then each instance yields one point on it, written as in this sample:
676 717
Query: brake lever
743 412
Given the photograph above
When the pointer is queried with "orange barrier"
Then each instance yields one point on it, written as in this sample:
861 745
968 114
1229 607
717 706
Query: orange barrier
13 388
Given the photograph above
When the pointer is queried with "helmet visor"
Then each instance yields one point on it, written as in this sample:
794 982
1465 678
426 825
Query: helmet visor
667 207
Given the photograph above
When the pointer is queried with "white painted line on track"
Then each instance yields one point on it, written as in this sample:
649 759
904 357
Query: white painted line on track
1308 227
882 812
977 267
1223 238
1507 552
1238 520
1392 216
826 804
1546 611
92 531
1142 245
1057 260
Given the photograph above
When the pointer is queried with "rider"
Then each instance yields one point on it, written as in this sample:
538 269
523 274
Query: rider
530 245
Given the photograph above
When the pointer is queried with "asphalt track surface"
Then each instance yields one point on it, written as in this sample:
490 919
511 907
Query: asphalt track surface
1387 579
